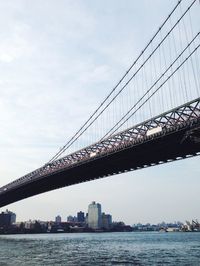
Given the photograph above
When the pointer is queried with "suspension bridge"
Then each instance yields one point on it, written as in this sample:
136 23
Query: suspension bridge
150 117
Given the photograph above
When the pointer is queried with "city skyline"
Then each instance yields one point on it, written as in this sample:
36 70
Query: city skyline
94 220
48 68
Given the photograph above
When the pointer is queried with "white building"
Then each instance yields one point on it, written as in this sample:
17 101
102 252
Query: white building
29 224
94 216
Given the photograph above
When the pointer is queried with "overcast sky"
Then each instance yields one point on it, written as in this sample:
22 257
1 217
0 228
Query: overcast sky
58 60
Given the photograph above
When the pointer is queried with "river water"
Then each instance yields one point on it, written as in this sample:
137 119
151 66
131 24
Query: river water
151 248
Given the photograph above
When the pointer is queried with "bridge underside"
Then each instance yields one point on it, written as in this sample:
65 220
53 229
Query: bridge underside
176 143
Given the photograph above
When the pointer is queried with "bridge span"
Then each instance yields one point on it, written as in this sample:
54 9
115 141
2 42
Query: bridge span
171 136
164 75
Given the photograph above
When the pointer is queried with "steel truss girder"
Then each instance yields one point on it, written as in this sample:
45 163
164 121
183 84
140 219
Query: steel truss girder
170 120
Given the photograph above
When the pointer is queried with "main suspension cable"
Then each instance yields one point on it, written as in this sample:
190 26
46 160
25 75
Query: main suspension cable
85 126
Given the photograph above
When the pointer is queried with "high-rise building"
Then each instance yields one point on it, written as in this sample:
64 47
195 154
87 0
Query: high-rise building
58 219
7 218
71 219
81 217
106 221
86 219
13 217
94 215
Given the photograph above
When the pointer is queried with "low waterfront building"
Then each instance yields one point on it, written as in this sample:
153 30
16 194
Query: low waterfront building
29 225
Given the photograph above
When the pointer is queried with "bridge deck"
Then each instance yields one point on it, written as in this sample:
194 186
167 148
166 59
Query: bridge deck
168 137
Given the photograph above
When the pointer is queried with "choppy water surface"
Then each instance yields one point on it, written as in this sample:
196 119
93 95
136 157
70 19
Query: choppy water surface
101 249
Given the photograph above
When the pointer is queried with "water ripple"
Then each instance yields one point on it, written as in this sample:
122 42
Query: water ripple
101 249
